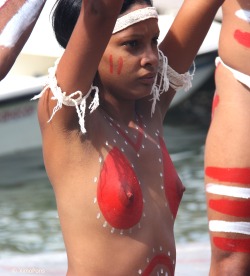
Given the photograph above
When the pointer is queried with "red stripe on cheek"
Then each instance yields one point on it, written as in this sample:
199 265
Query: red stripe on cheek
111 64
120 65
235 175
231 207
232 245
159 260
243 38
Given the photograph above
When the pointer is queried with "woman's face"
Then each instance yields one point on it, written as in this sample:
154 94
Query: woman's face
130 62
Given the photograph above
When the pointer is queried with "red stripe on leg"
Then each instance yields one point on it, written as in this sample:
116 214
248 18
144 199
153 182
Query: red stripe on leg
232 245
231 207
231 175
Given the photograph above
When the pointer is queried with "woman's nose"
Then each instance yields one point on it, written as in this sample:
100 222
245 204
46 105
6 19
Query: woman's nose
150 57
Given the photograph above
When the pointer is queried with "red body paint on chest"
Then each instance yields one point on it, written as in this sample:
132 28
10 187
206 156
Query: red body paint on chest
119 193
243 38
173 186
161 259
237 208
232 245
230 175
138 143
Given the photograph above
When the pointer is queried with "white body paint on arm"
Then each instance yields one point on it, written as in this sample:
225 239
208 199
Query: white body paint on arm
19 22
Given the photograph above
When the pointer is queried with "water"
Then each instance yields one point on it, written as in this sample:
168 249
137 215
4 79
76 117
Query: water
28 218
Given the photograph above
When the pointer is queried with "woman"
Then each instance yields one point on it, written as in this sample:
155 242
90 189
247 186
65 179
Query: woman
227 155
116 188
17 20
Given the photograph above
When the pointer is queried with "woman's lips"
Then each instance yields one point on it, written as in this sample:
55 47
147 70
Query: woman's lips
148 79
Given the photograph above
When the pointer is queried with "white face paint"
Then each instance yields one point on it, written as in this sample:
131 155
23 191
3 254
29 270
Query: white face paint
20 22
2 2
241 227
244 15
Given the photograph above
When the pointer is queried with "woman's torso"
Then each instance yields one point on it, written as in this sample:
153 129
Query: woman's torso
235 35
117 195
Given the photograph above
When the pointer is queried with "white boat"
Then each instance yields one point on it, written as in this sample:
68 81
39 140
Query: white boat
18 119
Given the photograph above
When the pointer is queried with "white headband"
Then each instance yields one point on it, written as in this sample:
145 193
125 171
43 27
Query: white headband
134 17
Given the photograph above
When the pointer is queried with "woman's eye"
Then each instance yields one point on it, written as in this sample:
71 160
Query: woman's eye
155 40
132 43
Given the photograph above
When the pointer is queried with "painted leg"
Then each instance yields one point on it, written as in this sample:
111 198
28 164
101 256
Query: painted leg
227 177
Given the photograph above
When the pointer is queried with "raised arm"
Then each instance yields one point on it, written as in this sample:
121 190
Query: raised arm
17 19
186 35
78 66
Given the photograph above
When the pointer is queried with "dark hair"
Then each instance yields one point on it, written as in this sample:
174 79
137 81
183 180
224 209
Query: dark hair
128 3
66 13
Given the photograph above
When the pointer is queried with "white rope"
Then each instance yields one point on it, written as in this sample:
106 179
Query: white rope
70 100
168 77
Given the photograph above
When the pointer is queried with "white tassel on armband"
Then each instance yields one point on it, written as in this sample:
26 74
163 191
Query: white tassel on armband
76 99
168 77
180 81
161 83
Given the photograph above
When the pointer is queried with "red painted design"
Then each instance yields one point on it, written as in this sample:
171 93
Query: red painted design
161 259
243 38
235 208
137 145
111 64
216 101
232 245
120 65
118 193
173 185
231 175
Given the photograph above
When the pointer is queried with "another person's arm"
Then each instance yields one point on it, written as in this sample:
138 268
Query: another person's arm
17 19
186 35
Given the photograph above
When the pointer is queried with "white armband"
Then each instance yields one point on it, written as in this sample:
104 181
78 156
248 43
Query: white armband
70 100
168 77
178 81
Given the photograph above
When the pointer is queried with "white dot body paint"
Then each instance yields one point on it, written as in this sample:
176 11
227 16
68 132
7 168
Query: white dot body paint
20 22
241 227
230 191
2 2
244 15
